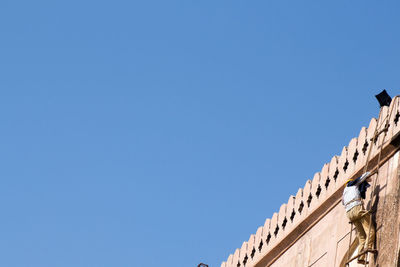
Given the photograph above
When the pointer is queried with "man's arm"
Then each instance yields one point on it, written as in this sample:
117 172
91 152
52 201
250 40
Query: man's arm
363 178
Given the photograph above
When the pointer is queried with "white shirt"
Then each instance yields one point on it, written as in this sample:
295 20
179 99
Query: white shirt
351 194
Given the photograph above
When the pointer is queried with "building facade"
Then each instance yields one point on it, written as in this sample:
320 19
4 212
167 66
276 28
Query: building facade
312 229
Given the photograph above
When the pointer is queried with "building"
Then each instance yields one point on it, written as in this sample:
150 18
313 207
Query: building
312 229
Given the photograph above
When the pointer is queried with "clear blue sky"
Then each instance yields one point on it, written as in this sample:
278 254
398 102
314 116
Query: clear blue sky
163 133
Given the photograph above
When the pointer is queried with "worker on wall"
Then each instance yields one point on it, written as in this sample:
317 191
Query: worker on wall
353 194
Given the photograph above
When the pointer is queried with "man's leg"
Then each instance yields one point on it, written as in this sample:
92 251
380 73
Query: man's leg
354 216
361 237
369 229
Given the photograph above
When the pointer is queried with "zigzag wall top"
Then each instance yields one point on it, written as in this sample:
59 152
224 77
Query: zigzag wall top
332 176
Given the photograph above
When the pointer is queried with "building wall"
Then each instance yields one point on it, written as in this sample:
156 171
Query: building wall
311 229
327 242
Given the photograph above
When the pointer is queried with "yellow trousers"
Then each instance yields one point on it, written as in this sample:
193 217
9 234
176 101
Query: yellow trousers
365 232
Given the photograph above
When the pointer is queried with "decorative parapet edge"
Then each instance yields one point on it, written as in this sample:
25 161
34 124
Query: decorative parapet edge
319 195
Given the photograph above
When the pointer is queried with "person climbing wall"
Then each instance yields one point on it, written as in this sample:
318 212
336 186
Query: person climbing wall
353 194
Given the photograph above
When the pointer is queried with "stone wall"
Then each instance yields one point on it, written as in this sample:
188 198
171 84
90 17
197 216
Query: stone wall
311 229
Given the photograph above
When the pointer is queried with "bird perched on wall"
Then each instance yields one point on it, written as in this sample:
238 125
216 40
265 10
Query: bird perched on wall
383 98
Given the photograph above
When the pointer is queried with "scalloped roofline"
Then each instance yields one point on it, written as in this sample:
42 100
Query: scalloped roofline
319 195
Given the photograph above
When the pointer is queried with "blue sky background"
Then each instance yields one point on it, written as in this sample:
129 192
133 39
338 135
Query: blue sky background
163 133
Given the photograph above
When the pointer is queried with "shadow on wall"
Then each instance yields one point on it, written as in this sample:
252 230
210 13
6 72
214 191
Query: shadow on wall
350 253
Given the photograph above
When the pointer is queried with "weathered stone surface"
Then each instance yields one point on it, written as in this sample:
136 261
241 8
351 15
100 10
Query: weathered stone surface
312 228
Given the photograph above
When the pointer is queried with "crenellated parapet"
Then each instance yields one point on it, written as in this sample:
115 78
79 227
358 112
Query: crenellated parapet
321 193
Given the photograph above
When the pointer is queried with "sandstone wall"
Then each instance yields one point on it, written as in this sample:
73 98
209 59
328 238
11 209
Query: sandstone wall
311 229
